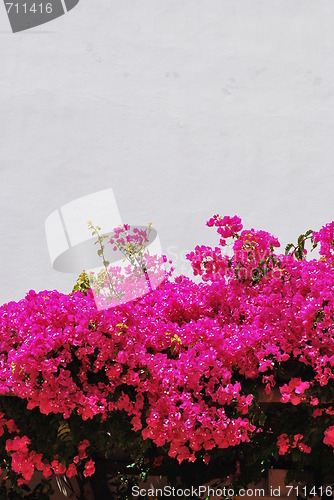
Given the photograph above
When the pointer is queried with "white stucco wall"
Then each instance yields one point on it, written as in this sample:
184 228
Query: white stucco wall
185 108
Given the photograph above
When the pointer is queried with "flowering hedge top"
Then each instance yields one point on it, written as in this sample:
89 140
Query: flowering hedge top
182 361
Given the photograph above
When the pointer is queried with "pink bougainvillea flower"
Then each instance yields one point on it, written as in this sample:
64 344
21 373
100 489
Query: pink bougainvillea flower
329 436
71 470
283 444
89 468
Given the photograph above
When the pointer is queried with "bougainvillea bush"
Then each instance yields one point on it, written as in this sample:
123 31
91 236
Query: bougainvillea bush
224 378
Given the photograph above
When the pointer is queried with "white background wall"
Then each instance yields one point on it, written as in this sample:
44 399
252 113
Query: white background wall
185 108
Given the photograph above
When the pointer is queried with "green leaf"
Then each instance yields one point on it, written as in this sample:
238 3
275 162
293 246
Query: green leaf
288 248
262 418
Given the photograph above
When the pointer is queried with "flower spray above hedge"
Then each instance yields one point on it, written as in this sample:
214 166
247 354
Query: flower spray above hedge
174 376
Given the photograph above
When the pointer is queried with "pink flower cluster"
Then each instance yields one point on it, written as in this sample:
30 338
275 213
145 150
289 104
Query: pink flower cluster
227 226
175 359
285 446
294 391
326 238
329 436
115 285
25 461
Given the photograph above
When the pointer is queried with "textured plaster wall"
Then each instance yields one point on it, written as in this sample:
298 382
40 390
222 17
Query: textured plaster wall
184 107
